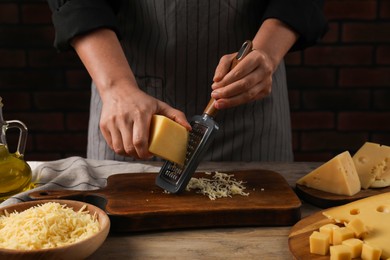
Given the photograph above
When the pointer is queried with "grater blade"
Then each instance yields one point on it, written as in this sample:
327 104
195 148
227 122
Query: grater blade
173 177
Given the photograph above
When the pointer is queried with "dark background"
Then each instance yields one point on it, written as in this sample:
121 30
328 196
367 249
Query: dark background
339 89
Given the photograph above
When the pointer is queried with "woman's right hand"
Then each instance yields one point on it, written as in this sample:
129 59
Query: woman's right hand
127 111
125 120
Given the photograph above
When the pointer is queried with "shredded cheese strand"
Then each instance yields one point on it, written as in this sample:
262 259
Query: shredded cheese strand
46 225
221 185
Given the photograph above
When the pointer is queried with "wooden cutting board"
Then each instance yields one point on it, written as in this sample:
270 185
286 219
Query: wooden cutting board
298 239
135 203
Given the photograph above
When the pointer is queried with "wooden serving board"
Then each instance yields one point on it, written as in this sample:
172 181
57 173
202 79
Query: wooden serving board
135 203
324 199
298 240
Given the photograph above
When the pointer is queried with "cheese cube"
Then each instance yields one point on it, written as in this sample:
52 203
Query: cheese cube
370 252
341 234
340 252
372 162
168 139
319 243
358 227
328 229
336 176
355 246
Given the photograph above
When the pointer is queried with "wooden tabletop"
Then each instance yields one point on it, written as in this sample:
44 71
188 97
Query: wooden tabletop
218 243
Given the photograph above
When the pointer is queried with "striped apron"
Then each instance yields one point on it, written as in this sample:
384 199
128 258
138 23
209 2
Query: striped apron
173 48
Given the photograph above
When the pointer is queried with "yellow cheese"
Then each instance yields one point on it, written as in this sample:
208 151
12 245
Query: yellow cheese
371 252
44 226
336 176
358 227
319 243
341 234
374 212
168 139
328 229
340 252
372 162
355 245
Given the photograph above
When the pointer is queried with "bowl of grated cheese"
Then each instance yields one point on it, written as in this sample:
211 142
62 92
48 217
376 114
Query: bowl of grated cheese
52 229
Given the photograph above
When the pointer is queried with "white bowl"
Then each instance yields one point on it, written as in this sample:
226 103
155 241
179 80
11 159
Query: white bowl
79 250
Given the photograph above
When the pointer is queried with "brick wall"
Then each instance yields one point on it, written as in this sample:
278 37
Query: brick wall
339 89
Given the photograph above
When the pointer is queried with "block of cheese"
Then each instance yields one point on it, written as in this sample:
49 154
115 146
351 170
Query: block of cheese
319 243
337 176
341 234
340 252
328 229
372 162
374 212
168 139
371 252
358 227
355 245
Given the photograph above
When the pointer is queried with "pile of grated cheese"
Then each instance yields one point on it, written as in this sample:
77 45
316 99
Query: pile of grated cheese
221 185
46 225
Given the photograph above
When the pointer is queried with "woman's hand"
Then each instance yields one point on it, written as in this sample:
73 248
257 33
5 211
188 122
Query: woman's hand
125 121
250 80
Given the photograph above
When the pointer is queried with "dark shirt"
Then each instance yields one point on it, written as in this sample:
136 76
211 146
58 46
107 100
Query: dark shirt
75 17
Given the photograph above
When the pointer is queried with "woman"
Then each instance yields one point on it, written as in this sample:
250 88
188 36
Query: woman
168 57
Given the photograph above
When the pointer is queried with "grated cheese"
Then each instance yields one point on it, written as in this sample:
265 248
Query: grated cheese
46 225
221 185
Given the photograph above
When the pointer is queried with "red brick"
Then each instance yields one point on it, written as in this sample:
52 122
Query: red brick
15 101
338 55
9 13
364 77
336 99
332 35
383 54
381 138
294 58
26 36
29 79
78 79
12 58
384 9
369 121
294 97
366 32
332 141
77 121
381 99
50 58
45 122
350 9
37 13
65 142
313 156
62 100
311 77
312 120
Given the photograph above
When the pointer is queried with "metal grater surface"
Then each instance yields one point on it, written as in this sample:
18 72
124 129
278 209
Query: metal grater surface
174 171
173 177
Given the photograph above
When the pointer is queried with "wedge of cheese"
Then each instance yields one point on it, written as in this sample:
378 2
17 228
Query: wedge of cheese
336 176
374 212
168 139
372 163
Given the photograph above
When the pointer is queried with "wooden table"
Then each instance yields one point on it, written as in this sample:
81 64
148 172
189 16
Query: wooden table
218 243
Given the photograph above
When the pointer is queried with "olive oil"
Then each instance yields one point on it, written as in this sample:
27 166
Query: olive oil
15 174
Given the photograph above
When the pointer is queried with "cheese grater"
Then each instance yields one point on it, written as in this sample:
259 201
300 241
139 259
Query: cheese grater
173 177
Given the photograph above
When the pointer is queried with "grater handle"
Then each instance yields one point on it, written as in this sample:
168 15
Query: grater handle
244 50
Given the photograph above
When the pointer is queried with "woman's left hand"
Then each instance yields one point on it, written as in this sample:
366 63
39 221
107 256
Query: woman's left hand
250 80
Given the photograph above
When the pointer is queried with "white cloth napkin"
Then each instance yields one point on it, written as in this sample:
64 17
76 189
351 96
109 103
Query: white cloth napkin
77 173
